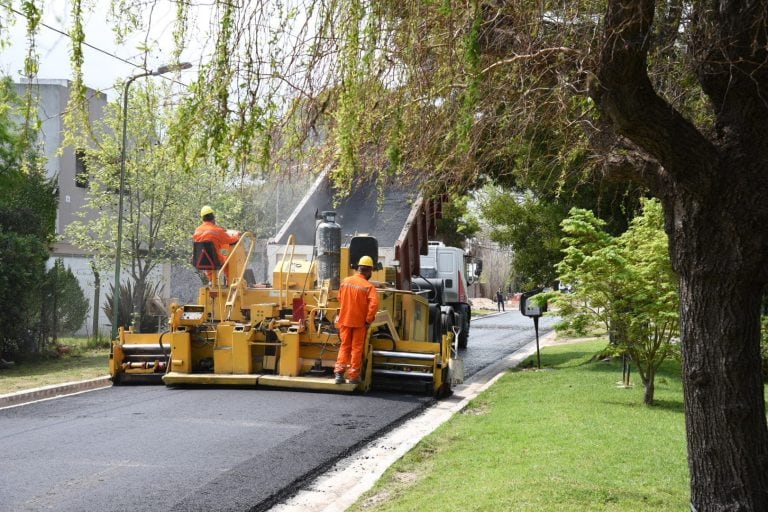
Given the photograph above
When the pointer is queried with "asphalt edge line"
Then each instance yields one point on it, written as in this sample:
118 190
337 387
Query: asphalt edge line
349 478
53 391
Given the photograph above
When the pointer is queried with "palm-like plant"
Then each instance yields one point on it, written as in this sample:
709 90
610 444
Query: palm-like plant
135 311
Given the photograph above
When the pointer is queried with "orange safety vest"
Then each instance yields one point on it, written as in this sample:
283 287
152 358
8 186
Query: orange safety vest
358 302
209 232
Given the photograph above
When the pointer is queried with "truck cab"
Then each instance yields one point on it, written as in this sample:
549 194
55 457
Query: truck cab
445 269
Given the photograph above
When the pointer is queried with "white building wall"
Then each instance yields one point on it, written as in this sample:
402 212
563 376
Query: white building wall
81 268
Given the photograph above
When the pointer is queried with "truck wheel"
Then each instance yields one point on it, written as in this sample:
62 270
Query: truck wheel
435 323
464 334
447 316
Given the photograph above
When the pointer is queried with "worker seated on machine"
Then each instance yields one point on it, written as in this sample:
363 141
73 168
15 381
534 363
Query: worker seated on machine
221 238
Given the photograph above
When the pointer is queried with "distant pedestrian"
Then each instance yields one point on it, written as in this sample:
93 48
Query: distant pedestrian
500 300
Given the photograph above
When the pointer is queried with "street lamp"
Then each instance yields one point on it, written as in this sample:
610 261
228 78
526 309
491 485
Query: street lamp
116 292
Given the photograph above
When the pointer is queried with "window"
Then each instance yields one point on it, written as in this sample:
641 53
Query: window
81 170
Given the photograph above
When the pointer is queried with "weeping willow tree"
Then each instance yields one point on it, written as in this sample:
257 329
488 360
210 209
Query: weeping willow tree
668 96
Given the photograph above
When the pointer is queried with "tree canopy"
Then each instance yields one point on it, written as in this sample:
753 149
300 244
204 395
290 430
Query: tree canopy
162 198
27 216
663 96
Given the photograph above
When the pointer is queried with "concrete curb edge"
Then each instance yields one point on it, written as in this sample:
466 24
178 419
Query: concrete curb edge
342 485
53 391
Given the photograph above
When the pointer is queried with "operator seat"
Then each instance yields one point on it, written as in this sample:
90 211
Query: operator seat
360 246
204 256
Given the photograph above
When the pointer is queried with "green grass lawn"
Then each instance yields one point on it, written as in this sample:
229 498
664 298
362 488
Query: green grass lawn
564 438
82 361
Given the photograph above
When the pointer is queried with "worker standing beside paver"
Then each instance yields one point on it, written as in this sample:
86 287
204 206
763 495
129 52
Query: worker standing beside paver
358 304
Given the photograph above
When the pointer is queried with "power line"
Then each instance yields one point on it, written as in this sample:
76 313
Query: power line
117 57
58 31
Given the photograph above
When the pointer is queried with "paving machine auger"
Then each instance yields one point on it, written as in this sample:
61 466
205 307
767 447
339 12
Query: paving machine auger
284 336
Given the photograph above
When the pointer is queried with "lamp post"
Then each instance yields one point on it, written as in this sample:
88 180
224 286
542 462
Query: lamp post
116 292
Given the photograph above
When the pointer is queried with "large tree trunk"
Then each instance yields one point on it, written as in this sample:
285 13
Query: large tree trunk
725 410
714 191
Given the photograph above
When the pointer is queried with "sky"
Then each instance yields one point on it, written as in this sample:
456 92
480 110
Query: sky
101 68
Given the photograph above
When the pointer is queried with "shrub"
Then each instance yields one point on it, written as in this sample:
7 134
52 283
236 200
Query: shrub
27 224
64 306
134 311
626 283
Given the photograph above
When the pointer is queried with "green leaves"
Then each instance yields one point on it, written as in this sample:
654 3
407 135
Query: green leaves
624 282
27 217
65 307
531 227
457 222
160 199
33 15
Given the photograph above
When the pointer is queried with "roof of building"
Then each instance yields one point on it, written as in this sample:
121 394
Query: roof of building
360 213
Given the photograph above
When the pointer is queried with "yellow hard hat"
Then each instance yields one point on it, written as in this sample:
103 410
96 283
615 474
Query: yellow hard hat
365 261
205 210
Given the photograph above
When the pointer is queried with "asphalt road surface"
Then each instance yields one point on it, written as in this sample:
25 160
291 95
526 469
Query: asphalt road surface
495 336
153 448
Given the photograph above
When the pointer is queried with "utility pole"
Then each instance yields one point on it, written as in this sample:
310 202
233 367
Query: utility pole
119 242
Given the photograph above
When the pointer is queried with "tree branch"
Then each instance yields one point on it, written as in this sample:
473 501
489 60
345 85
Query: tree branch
542 52
625 94
730 46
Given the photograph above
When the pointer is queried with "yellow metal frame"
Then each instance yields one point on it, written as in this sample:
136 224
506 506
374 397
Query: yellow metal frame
247 336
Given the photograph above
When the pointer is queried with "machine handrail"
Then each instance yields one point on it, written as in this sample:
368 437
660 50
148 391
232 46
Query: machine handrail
284 277
236 284
243 236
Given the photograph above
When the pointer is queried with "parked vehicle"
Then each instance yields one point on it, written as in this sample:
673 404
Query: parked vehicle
446 272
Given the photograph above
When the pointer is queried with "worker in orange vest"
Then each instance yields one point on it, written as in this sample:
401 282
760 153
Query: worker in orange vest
222 238
358 304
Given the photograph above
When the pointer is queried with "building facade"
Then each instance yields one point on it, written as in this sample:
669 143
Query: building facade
67 166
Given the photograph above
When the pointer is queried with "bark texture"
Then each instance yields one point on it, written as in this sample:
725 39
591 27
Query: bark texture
713 182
